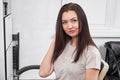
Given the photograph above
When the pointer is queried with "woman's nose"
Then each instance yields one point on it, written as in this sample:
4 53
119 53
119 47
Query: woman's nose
70 25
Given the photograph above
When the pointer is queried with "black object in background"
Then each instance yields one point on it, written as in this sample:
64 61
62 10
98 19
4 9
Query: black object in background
15 39
113 60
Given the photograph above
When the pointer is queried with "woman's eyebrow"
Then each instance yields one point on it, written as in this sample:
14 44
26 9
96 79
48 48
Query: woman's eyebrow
74 18
71 18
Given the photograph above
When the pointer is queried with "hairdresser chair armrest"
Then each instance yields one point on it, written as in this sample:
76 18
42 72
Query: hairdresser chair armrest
26 68
103 70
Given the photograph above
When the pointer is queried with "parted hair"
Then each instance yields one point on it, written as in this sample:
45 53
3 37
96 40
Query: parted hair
61 38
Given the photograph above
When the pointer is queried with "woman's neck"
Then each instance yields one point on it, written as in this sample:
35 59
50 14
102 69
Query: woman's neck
74 41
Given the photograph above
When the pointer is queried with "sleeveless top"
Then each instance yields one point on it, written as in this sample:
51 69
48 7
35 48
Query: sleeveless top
66 69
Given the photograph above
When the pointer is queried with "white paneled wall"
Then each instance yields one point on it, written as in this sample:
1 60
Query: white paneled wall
9 56
35 20
2 67
92 7
5 44
103 20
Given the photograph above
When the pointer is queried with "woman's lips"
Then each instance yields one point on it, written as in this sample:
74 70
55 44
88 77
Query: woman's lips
71 31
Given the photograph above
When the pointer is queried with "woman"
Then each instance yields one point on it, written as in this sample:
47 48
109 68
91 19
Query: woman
72 54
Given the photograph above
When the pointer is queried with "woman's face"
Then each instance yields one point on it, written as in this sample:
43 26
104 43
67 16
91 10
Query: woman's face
70 23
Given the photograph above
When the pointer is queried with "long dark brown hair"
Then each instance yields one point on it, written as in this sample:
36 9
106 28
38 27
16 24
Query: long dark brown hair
61 38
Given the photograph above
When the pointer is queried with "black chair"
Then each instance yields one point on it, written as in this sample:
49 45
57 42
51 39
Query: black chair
24 69
113 59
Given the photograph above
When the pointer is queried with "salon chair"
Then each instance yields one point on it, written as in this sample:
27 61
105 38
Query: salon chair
24 69
103 70
113 60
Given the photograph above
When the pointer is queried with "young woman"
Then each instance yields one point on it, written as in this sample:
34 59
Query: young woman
72 54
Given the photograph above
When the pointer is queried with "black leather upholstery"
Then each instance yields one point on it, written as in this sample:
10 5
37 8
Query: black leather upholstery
113 58
115 46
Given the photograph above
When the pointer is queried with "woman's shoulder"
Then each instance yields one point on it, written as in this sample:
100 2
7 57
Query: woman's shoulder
93 57
91 49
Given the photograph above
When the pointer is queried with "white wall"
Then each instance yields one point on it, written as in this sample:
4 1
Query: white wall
8 36
35 20
2 69
9 56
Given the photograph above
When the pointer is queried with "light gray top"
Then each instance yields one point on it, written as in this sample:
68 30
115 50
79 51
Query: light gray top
65 69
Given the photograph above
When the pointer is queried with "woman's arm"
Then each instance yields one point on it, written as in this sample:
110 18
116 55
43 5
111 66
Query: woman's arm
92 74
93 63
46 67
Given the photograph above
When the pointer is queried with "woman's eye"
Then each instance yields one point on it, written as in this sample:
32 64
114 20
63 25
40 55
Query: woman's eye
74 20
64 22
